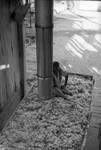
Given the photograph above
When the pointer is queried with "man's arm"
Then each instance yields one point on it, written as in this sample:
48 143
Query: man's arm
56 81
63 70
65 74
66 79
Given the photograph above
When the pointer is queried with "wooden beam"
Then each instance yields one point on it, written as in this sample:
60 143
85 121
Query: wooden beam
21 57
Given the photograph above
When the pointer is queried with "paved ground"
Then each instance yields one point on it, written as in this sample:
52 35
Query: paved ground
77 44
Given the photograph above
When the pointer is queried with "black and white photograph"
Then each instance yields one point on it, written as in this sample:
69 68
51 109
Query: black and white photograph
50 75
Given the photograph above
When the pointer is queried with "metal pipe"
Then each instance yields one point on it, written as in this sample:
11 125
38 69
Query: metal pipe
44 44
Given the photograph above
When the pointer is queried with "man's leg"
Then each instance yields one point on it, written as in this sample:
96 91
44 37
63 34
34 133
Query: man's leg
65 91
58 92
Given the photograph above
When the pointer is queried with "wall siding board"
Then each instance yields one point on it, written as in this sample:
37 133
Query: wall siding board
11 78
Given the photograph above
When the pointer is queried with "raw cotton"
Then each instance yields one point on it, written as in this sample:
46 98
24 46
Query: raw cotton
54 124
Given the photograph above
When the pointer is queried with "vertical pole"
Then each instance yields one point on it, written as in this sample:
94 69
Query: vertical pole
44 44
21 58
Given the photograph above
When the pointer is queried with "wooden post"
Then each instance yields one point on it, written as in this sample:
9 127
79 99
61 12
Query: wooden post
44 44
21 57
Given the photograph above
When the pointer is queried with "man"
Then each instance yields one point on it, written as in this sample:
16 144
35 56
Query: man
59 87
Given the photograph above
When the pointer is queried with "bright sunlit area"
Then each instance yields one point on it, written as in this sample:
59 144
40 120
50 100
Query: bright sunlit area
74 4
89 5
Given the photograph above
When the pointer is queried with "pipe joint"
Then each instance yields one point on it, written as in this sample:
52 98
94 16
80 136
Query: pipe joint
44 87
44 27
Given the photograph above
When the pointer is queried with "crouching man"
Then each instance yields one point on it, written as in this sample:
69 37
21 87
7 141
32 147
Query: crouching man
59 88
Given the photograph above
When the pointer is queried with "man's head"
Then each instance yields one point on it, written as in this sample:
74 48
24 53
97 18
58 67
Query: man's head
55 66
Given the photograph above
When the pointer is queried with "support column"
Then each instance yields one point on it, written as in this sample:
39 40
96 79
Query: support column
44 46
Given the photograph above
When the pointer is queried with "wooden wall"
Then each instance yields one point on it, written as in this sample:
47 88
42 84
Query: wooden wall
11 61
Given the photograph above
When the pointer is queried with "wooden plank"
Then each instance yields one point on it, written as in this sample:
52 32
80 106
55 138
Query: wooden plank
9 109
12 55
91 141
21 57
82 75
